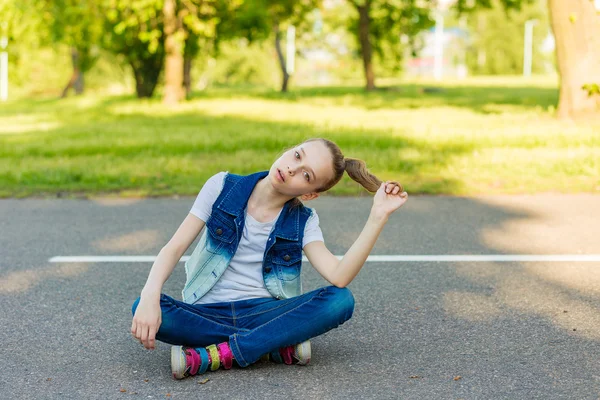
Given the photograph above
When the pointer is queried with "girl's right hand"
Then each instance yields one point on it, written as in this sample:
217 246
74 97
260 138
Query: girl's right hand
146 322
389 198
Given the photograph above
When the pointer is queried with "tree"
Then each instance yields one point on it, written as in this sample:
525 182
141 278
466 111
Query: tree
135 30
292 12
186 23
174 41
576 27
258 19
381 24
78 24
496 44
22 25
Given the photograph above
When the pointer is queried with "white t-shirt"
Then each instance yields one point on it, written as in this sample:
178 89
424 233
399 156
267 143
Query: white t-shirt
243 278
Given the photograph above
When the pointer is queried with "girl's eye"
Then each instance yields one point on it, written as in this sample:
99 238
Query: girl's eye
307 174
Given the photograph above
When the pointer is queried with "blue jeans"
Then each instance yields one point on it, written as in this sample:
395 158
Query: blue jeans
254 327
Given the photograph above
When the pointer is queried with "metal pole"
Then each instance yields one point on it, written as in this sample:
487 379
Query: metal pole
439 46
528 47
291 49
3 70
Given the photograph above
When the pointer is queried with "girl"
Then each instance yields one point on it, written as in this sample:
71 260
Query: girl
242 300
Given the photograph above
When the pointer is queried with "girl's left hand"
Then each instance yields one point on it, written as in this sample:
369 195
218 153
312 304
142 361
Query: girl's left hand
388 198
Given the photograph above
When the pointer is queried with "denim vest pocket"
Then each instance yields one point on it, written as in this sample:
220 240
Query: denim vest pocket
222 233
287 262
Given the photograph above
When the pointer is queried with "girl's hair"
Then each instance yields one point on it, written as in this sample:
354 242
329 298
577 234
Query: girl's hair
356 169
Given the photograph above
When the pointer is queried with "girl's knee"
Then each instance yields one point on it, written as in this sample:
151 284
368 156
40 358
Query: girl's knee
342 299
344 295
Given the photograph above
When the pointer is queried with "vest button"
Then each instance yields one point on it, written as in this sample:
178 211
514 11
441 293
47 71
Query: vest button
219 231
286 257
267 269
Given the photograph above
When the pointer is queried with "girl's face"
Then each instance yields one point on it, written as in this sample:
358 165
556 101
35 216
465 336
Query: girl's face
304 169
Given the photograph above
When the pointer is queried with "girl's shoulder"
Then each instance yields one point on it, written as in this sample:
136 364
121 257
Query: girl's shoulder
312 212
217 180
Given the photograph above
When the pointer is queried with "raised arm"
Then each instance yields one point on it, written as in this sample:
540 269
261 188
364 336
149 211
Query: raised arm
341 273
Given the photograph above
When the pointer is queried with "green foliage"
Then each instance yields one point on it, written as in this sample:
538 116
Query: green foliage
132 31
393 19
263 19
243 18
20 22
38 71
135 27
240 63
135 30
497 35
41 72
254 19
76 23
334 30
472 5
592 89
390 21
200 20
199 16
292 11
327 29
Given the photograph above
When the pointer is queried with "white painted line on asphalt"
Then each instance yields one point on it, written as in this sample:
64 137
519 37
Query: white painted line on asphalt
488 257
382 258
99 259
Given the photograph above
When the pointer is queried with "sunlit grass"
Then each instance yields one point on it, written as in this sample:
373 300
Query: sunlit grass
463 138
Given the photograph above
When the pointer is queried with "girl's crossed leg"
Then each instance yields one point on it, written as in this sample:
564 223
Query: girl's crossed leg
256 326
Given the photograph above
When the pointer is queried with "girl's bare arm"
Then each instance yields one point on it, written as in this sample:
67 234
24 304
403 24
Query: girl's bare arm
147 318
340 273
170 254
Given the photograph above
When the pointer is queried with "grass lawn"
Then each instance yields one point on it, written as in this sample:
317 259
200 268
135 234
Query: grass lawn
478 136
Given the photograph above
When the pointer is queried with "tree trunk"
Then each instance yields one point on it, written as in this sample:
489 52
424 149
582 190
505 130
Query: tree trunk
187 76
146 74
365 43
286 76
192 48
76 81
173 29
576 27
79 84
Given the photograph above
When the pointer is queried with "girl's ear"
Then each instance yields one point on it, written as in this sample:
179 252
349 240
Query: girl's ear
309 196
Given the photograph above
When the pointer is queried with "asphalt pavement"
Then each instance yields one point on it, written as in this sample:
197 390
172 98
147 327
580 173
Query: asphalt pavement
420 330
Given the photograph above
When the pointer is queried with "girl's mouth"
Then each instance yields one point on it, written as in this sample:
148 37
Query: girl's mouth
280 176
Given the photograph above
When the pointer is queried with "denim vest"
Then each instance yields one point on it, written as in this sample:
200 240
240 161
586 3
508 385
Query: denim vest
283 254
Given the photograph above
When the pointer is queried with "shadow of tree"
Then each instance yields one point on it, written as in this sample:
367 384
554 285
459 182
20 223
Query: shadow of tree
186 155
502 327
518 322
480 99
